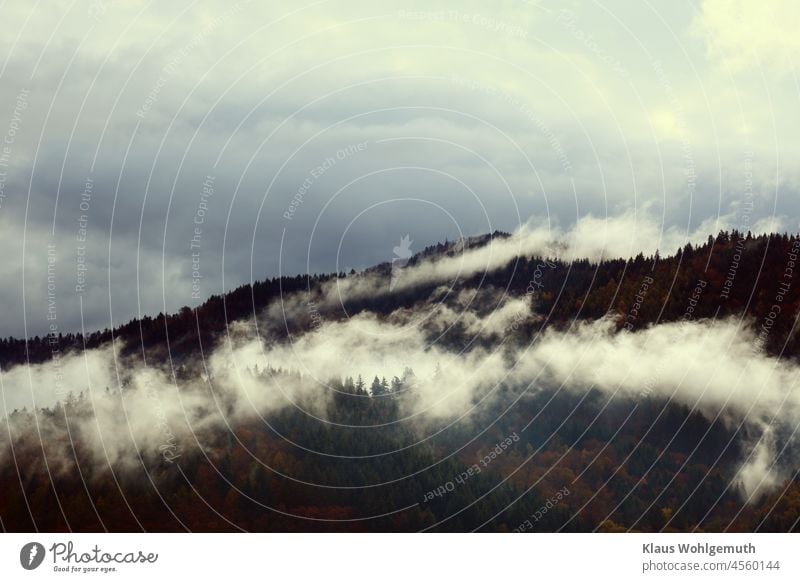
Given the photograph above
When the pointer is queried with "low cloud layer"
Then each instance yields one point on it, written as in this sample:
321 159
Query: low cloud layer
593 238
714 368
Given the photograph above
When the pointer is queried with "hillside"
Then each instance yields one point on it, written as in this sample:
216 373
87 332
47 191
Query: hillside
543 395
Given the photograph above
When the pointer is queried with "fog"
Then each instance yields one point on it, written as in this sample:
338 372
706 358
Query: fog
713 367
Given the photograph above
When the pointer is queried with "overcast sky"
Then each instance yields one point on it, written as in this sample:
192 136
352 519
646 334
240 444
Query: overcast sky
312 136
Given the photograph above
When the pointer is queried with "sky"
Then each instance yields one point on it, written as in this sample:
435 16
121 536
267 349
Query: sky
153 154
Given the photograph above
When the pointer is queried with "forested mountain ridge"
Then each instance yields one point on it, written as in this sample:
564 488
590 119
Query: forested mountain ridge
568 422
743 274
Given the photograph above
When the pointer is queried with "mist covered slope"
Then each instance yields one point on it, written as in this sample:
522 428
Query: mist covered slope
499 383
